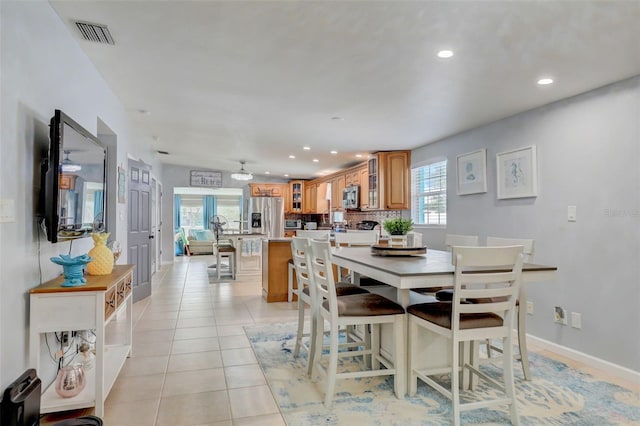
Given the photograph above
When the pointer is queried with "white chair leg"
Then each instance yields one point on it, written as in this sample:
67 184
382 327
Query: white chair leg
455 382
509 385
296 350
522 342
333 366
413 338
374 345
290 283
400 356
317 358
313 341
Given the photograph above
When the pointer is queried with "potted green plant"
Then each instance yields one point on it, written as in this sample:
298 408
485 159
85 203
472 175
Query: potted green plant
398 226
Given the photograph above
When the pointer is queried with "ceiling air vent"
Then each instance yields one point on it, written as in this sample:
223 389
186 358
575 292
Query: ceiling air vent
95 32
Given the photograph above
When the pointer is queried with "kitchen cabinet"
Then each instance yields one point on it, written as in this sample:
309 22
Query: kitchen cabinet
275 269
389 181
67 181
364 186
296 192
94 306
310 199
337 187
352 178
268 189
322 202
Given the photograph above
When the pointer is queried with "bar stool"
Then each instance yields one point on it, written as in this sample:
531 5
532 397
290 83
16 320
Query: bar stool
228 251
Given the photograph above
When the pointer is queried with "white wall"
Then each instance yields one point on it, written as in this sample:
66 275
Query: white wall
588 151
43 69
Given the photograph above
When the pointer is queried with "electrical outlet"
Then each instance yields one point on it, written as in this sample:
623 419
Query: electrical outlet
530 307
576 320
64 339
560 315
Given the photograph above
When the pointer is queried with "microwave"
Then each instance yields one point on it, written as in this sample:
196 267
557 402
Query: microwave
292 224
351 197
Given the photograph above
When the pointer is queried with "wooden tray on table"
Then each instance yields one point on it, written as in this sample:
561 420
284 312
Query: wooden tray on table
378 250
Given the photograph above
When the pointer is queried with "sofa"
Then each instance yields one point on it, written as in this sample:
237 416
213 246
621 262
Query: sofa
200 241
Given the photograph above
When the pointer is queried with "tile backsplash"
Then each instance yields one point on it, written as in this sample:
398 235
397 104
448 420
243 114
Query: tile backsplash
351 217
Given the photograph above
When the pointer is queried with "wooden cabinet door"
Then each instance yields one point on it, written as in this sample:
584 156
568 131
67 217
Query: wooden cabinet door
364 187
309 201
337 188
397 191
322 204
373 183
296 192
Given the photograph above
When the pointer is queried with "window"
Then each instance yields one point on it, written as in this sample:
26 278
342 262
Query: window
429 194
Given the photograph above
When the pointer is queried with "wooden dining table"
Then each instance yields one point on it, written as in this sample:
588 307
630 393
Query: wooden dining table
432 269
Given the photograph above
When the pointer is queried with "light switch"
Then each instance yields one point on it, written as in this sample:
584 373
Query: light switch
571 213
7 210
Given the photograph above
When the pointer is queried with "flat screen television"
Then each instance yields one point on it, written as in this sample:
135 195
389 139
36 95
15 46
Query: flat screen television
75 181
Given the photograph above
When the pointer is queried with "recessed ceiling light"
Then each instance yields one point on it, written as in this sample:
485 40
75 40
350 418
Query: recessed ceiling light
267 173
286 175
444 54
545 81
358 155
306 148
315 160
292 156
334 152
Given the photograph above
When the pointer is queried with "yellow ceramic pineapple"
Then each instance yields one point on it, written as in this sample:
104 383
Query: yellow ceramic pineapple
102 263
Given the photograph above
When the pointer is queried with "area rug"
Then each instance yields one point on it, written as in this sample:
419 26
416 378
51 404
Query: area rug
558 394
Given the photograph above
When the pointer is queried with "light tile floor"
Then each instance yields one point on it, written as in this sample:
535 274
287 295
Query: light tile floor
192 363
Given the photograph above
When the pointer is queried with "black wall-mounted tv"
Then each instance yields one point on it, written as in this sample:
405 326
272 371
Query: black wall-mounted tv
75 181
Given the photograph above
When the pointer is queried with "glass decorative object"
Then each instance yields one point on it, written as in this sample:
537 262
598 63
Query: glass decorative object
72 269
70 381
102 263
116 249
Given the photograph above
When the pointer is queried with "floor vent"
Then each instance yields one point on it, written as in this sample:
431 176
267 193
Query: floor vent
95 32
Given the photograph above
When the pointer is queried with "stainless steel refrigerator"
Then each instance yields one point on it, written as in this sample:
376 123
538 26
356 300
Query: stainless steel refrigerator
266 216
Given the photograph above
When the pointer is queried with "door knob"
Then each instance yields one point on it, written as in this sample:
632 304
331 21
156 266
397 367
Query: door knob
151 237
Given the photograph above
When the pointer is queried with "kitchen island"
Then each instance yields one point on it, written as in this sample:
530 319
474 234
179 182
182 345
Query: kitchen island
248 254
276 253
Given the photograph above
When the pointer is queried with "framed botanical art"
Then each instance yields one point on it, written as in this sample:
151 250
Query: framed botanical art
472 172
517 173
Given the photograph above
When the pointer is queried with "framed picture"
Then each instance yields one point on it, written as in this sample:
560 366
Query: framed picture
122 182
472 172
517 173
205 178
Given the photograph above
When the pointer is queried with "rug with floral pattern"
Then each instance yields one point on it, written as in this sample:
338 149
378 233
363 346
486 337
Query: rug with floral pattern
557 395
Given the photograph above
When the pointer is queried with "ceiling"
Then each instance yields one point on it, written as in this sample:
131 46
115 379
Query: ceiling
225 81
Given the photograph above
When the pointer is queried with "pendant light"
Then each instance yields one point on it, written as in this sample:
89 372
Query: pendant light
242 174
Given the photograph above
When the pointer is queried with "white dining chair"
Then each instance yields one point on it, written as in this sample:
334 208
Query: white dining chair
370 310
306 293
450 241
463 323
521 318
357 239
315 234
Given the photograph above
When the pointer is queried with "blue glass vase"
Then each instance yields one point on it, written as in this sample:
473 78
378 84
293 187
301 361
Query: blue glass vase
72 268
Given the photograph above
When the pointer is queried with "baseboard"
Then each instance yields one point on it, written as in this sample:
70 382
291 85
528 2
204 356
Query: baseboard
606 366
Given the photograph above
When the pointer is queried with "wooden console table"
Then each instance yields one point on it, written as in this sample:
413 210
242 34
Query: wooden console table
89 307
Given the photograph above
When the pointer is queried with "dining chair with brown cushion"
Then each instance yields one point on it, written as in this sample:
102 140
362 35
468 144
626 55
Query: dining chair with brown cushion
307 296
521 316
450 240
370 310
463 323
